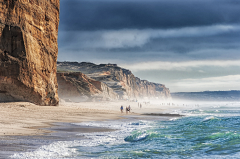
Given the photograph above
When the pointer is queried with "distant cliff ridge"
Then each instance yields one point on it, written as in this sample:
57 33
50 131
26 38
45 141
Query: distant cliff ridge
120 80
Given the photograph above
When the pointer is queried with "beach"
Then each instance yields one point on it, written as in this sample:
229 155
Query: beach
23 118
100 130
23 122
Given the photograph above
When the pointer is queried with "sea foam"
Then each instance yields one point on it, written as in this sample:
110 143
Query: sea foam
62 149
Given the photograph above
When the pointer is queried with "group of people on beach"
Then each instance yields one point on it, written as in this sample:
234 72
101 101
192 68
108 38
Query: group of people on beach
128 109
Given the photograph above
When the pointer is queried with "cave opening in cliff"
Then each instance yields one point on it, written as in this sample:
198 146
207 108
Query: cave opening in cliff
12 42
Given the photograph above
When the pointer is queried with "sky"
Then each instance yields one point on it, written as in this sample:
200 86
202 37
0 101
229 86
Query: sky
188 45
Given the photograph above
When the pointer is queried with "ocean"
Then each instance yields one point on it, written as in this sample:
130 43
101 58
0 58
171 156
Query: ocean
207 130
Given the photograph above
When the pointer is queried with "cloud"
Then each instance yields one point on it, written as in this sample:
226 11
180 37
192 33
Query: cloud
230 82
133 38
126 38
80 15
212 80
180 66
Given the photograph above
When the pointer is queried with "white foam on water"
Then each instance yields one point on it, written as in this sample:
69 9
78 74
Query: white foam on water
65 149
173 119
217 109
54 150
208 118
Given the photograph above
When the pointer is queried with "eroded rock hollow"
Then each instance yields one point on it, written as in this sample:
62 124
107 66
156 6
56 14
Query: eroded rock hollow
28 51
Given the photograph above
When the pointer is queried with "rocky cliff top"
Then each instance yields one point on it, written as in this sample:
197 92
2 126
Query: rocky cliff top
88 67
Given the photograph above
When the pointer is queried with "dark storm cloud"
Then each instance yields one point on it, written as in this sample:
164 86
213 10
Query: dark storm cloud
215 42
116 14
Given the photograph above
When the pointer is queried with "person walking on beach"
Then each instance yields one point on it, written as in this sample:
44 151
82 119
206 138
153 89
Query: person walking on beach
121 108
126 109
129 108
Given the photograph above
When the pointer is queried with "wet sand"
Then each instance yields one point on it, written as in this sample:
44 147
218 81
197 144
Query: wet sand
59 132
10 145
23 118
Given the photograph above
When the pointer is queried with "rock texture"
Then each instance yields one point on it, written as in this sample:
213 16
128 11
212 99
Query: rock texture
28 50
77 87
122 81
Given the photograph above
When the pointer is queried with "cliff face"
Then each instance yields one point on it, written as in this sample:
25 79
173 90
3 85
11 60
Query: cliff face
122 81
150 89
78 87
28 50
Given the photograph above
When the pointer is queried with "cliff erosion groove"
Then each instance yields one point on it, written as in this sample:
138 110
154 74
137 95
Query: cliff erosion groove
28 50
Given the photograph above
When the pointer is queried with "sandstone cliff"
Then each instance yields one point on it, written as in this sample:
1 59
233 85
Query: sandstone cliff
28 50
77 87
122 81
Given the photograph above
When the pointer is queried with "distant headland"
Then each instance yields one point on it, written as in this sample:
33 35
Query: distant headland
89 81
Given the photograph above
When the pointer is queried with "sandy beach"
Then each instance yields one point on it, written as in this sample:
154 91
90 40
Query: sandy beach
23 118
23 122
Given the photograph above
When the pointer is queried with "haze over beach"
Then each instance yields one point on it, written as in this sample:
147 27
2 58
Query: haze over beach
119 79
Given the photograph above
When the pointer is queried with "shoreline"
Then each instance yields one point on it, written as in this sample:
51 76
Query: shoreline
100 118
53 129
24 118
61 132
